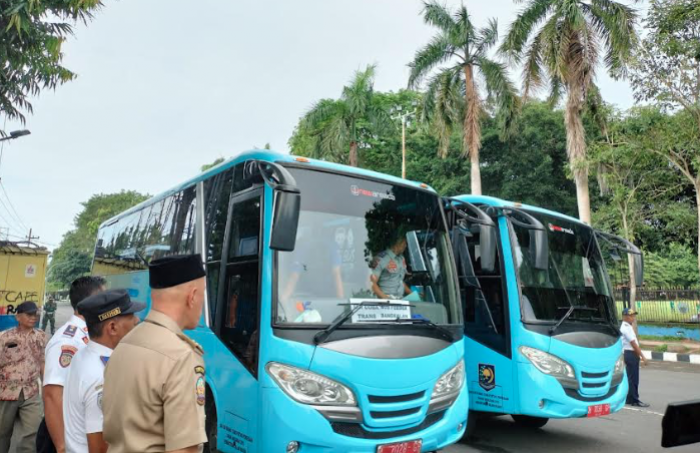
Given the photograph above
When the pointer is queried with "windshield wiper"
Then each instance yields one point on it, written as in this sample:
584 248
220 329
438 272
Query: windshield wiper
323 335
566 316
426 322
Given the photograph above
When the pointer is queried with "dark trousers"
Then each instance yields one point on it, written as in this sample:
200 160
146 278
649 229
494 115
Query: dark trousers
44 444
632 364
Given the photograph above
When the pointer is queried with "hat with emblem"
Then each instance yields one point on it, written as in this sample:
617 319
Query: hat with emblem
628 312
27 307
175 270
107 305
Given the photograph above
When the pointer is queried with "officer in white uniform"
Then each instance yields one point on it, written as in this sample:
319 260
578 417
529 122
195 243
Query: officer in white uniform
60 350
109 316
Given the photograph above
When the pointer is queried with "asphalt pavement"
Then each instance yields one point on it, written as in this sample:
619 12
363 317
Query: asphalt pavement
630 430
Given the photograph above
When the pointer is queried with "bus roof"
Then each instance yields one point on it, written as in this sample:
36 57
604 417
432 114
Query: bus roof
493 201
271 156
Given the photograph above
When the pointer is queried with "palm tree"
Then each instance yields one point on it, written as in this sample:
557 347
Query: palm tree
559 43
452 95
340 125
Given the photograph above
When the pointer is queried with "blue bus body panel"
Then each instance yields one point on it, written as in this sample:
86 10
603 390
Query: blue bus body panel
520 388
254 414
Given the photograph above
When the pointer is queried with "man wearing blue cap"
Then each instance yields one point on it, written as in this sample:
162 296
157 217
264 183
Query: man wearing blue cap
109 317
633 355
21 365
160 406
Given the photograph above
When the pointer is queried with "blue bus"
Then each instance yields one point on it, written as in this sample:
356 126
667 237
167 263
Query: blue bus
301 353
542 337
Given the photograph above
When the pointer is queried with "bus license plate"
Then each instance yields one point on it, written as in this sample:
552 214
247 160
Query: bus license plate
413 446
598 410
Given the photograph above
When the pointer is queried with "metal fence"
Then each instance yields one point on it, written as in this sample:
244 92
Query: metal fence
663 305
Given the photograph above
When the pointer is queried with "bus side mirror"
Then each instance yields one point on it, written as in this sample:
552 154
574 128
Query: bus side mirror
287 202
638 270
487 247
415 255
541 249
539 242
680 424
285 220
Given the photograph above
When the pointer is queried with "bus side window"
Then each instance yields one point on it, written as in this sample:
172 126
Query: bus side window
239 307
217 192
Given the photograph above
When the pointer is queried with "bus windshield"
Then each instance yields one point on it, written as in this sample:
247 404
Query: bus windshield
363 241
575 276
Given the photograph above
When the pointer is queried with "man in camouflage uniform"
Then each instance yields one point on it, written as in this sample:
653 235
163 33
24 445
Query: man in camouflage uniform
21 365
50 308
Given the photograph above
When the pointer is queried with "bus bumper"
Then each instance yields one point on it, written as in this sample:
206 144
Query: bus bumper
543 396
284 420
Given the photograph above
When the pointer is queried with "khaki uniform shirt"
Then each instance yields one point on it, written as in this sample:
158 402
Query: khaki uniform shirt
153 397
21 358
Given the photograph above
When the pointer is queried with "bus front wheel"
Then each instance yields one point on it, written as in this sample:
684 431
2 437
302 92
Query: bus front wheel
210 424
530 422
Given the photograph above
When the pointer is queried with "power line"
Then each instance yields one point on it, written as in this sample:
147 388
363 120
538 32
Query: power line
7 197
16 224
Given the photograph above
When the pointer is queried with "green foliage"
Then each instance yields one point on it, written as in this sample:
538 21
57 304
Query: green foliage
452 100
73 264
675 266
337 129
668 62
69 259
661 348
32 33
216 162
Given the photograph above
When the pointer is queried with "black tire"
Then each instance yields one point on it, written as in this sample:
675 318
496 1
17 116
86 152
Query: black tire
530 422
471 425
210 424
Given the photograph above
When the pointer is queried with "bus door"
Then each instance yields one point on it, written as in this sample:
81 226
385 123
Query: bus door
479 257
236 322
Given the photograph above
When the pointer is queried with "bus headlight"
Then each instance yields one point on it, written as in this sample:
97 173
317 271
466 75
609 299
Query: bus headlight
547 363
310 388
450 382
619 365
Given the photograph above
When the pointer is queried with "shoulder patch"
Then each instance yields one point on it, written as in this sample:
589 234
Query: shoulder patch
67 353
70 331
86 340
199 369
200 390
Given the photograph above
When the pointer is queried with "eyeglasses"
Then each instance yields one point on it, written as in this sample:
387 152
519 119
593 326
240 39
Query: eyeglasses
31 315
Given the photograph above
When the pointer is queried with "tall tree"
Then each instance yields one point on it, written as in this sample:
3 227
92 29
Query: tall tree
632 178
559 42
334 127
73 256
31 35
452 96
667 69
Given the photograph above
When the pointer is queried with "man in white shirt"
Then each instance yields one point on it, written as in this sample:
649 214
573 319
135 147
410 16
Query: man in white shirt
633 355
66 342
109 316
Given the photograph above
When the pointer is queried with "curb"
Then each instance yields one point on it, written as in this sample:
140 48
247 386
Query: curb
672 357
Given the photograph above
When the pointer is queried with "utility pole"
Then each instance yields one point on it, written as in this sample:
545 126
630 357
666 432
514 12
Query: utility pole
403 146
30 238
403 117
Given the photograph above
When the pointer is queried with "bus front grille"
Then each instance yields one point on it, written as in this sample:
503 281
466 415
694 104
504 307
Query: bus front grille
359 431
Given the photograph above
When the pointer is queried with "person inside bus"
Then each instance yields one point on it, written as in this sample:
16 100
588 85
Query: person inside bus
315 272
389 270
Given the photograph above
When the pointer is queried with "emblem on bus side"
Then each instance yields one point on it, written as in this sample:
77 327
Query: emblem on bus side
487 377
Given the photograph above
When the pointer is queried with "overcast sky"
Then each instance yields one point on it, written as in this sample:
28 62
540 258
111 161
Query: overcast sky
165 86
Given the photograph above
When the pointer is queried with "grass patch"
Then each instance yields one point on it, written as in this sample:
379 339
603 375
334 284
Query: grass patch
661 348
662 338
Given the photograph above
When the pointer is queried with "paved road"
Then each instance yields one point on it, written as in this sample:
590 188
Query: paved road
630 430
